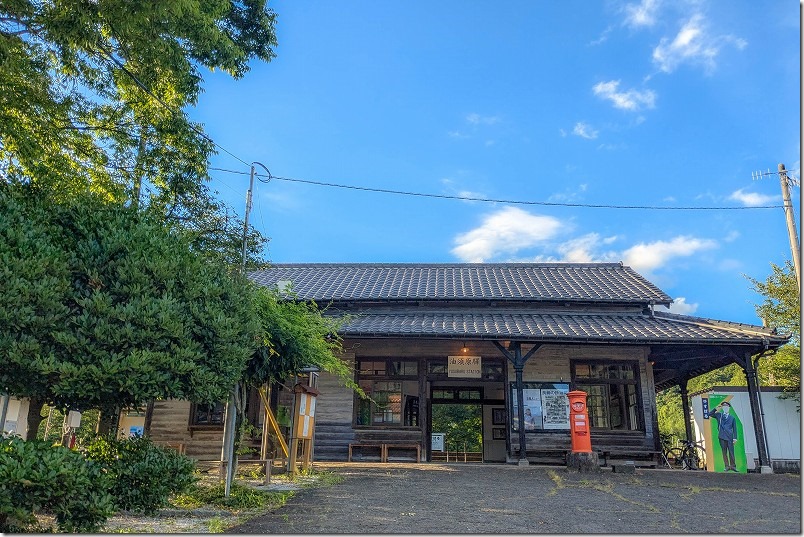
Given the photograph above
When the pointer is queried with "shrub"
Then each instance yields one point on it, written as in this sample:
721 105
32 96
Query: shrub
38 478
143 474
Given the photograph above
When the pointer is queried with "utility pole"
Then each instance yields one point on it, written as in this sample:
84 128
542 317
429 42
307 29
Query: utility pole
230 420
791 224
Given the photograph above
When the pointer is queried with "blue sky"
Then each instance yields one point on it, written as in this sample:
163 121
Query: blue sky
650 103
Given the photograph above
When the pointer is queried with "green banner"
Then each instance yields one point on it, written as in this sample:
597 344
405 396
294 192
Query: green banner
725 432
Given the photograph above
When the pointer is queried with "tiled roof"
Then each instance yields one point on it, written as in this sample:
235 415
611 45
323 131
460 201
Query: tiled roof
570 282
563 327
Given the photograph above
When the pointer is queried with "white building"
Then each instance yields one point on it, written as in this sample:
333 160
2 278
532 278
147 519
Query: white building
782 420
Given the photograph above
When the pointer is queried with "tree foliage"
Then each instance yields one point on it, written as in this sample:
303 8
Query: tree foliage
102 307
781 309
294 335
93 96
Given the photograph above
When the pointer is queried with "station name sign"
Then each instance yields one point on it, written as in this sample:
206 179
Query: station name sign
463 366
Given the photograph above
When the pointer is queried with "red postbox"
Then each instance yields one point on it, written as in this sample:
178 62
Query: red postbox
579 423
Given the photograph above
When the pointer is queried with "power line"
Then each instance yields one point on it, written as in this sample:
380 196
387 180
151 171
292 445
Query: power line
169 108
492 200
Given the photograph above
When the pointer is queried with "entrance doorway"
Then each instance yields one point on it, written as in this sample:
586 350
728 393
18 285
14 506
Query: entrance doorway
462 427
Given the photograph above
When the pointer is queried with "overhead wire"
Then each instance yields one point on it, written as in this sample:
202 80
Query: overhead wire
267 178
171 109
412 193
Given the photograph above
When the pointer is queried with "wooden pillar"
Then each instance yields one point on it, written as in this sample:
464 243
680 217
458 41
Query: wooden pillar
685 408
759 426
518 362
519 366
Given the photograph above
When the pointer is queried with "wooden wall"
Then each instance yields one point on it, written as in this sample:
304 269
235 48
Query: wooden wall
170 425
551 363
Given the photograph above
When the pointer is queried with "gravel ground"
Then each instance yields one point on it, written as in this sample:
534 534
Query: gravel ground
490 498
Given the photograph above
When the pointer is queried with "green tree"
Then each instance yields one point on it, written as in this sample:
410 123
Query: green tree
781 309
93 95
103 307
463 425
294 335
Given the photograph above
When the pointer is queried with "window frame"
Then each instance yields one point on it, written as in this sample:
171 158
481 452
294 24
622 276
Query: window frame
387 377
192 420
607 383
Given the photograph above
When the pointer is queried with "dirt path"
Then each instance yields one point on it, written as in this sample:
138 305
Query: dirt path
440 498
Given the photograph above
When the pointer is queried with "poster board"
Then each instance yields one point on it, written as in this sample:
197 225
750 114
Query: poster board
546 406
722 434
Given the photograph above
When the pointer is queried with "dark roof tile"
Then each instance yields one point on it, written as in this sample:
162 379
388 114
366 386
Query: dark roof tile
571 282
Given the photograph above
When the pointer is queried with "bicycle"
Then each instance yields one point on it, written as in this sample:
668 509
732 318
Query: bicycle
670 454
690 456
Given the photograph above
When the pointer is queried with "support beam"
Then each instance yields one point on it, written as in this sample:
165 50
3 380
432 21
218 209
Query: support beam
518 362
756 414
685 406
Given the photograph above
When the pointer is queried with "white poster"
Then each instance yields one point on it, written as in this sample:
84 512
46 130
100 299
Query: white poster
533 409
556 409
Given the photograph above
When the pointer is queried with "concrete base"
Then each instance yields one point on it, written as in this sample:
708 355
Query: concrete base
583 462
523 462
627 467
765 470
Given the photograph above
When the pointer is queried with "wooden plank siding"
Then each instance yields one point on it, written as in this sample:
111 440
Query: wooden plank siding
170 424
335 408
552 363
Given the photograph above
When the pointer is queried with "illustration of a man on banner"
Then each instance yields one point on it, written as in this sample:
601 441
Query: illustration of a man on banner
726 434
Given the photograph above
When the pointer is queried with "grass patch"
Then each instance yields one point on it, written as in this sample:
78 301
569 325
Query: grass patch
240 497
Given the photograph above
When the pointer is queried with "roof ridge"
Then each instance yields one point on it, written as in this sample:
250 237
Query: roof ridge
395 264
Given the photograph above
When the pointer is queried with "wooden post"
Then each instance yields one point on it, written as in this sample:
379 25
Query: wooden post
307 454
759 426
294 449
685 408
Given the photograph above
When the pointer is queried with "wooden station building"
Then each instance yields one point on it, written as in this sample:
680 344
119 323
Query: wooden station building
513 338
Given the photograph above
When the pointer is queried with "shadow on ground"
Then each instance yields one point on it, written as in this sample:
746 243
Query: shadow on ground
488 498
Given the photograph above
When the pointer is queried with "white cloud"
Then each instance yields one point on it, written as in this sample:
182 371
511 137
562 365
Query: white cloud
752 199
477 119
694 44
642 14
603 37
582 249
631 100
584 130
680 306
506 231
649 256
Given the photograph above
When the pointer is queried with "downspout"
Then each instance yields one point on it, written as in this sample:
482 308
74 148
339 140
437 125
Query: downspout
759 394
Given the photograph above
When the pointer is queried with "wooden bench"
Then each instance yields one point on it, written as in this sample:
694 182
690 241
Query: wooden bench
361 446
640 457
387 447
384 450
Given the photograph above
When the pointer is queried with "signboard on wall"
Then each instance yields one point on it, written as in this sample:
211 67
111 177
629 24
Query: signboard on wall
463 367
306 415
546 406
437 441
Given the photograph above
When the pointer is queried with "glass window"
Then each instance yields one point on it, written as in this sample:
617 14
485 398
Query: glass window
392 400
437 367
208 414
404 369
373 368
612 394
